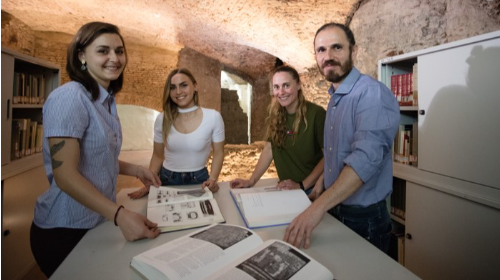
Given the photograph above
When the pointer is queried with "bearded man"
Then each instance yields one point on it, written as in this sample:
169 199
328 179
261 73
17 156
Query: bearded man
361 121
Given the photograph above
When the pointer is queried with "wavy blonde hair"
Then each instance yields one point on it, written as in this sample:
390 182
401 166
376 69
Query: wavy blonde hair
276 118
170 109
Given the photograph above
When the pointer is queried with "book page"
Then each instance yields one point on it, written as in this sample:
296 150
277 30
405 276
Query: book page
168 195
189 214
272 207
196 255
274 260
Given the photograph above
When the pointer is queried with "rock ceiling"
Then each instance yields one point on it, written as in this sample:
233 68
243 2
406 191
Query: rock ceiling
238 33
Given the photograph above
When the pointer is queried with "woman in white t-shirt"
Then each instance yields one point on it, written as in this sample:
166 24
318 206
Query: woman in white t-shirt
184 135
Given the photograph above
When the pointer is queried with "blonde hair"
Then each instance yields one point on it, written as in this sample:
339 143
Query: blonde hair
276 118
170 107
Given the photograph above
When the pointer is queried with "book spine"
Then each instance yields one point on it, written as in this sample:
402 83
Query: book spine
33 132
399 88
401 249
394 87
404 92
39 138
415 84
16 136
414 150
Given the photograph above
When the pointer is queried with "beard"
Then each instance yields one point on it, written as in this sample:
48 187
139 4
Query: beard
337 77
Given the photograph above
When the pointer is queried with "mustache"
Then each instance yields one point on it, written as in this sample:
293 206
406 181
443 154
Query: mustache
330 62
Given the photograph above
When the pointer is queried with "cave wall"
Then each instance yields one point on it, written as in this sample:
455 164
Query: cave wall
382 28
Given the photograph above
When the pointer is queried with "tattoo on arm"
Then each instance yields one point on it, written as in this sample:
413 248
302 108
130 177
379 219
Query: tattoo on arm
53 150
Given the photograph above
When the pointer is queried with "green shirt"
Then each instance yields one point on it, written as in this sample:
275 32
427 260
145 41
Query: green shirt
298 158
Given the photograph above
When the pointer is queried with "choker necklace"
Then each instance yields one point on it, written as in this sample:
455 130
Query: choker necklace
187 110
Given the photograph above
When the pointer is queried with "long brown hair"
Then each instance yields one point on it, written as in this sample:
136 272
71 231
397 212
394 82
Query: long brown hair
276 117
170 109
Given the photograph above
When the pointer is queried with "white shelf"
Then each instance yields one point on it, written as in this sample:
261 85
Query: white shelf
455 189
467 190
408 108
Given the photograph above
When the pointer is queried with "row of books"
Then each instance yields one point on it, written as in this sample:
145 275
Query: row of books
26 138
28 88
405 87
406 144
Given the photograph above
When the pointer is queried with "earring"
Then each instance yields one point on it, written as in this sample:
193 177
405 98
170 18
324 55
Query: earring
83 66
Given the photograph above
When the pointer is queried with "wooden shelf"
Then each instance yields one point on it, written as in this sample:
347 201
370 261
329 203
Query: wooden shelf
27 106
21 165
398 219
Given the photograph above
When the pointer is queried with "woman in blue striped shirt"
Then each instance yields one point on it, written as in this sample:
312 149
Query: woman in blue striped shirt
82 141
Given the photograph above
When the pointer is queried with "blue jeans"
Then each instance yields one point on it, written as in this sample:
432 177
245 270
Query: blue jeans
373 223
168 177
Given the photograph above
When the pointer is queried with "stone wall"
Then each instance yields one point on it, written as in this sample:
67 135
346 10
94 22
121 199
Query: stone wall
16 35
240 161
315 87
52 46
385 28
235 120
261 97
145 76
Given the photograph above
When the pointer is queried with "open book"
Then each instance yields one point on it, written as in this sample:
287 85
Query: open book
176 209
224 251
268 206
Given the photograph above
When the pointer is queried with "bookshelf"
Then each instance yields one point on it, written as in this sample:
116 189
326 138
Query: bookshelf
445 203
26 83
23 175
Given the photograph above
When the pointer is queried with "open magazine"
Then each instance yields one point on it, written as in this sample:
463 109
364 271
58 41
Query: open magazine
224 251
269 206
175 209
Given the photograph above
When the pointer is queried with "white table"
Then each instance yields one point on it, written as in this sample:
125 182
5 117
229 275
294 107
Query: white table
103 253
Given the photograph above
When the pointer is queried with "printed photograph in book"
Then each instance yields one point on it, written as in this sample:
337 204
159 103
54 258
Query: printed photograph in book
223 236
276 261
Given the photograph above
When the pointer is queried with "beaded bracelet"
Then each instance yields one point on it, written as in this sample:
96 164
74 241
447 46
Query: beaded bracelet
116 214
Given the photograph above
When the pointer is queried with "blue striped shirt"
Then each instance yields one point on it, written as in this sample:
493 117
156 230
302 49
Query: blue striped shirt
70 112
361 121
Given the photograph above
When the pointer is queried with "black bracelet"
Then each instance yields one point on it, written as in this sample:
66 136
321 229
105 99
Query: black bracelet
116 214
301 186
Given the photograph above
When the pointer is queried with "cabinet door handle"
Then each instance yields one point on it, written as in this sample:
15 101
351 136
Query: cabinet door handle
6 232
421 112
408 236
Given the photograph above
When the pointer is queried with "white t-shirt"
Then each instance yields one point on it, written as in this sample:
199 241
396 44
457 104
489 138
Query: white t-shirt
189 152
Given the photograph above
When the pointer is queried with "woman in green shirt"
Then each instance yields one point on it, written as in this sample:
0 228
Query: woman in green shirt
294 137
